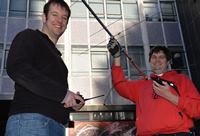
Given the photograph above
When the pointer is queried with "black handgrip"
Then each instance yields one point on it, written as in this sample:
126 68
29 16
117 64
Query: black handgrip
160 81
78 101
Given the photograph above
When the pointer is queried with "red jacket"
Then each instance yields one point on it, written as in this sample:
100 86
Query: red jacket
159 116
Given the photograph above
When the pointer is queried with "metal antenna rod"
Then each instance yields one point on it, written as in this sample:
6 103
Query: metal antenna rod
97 18
106 29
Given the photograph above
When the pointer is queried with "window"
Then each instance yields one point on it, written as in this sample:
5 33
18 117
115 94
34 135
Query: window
178 59
36 8
113 9
151 11
1 53
99 59
18 8
78 9
130 10
137 54
168 11
3 7
80 59
97 7
5 59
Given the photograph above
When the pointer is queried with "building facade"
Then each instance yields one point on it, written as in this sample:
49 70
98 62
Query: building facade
190 22
138 25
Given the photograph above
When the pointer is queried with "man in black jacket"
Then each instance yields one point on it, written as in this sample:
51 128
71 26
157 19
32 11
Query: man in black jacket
42 100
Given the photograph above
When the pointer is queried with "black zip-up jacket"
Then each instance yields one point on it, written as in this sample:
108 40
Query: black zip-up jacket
40 76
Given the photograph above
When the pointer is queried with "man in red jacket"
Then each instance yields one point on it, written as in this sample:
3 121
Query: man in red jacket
166 105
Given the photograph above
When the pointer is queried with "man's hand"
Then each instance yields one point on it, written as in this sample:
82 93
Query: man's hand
161 90
114 47
79 103
164 91
73 100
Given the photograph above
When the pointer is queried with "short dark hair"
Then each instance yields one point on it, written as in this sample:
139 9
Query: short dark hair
62 3
157 49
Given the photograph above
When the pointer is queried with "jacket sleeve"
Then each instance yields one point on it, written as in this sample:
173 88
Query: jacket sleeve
124 87
189 101
20 69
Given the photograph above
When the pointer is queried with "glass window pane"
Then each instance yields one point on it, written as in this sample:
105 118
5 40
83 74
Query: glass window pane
114 9
83 85
78 10
99 60
17 8
154 1
130 1
178 59
5 59
80 59
137 54
3 7
151 11
98 9
131 11
15 25
96 1
7 86
36 7
2 29
35 24
155 33
172 33
1 53
168 11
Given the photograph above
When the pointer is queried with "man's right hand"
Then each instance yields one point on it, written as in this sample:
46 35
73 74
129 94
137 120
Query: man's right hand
114 47
70 100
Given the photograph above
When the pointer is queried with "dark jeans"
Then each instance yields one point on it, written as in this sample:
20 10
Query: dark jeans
33 124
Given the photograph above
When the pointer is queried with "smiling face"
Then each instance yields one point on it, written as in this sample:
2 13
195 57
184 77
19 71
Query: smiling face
55 22
158 62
